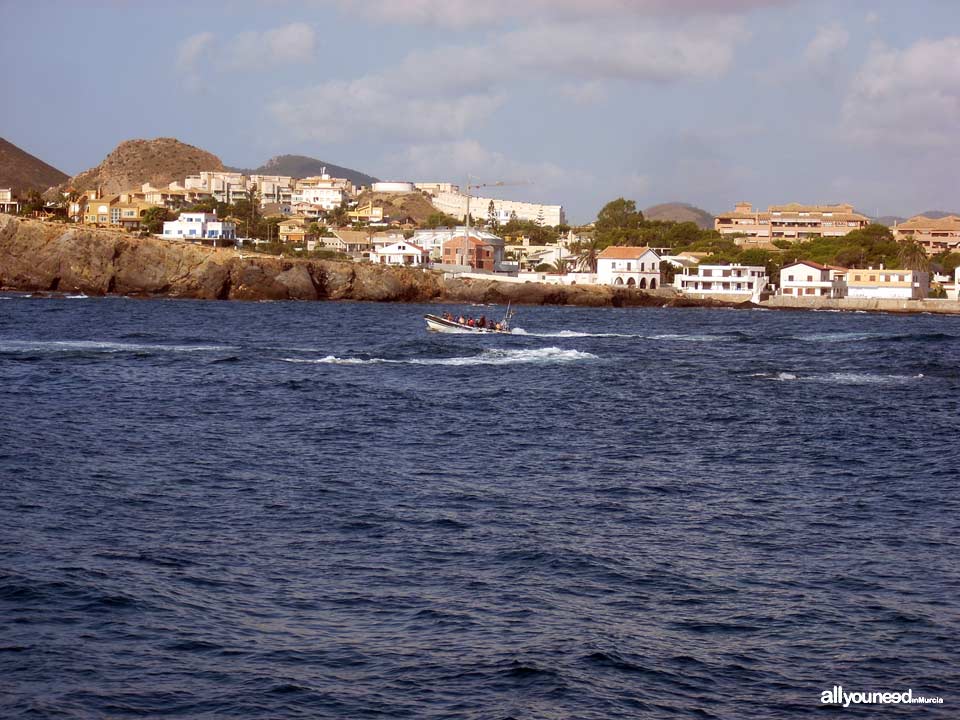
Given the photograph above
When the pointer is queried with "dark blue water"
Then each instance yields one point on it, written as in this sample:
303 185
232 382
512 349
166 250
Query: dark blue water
277 510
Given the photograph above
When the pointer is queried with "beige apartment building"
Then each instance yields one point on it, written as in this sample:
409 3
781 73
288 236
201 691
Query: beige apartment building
887 283
935 235
792 222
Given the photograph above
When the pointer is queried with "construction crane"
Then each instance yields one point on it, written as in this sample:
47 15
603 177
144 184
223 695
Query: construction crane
468 187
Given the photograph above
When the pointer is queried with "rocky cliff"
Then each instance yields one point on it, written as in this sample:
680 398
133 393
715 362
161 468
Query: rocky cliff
39 256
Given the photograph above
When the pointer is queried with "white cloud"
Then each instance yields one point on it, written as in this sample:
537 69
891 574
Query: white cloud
906 97
454 160
370 106
471 13
204 53
190 55
443 92
585 93
828 41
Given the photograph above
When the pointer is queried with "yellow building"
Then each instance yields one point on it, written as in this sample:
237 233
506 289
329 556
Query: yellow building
887 283
935 235
295 230
366 213
98 209
792 222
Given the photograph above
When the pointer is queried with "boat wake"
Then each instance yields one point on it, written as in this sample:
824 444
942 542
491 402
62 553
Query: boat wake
53 347
544 356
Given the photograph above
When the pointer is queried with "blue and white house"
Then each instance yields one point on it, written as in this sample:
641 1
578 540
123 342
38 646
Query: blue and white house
199 226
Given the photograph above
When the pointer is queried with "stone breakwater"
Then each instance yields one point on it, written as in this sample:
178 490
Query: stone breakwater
52 257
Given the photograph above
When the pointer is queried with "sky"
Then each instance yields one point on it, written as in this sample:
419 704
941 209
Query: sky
570 102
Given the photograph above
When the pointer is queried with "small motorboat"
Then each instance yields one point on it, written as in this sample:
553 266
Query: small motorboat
450 324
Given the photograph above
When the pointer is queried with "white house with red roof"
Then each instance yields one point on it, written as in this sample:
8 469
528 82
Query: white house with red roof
806 278
402 252
630 266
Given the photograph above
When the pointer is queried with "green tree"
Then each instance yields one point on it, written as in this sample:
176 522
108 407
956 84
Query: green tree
587 253
561 265
153 218
913 256
32 203
439 219
619 223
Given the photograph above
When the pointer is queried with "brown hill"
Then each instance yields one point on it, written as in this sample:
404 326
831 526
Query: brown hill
134 162
399 205
22 171
680 212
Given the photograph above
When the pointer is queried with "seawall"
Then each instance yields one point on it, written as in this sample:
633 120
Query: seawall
929 305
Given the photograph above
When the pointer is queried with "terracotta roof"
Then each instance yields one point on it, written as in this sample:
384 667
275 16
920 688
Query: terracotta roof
619 252
811 263
797 207
921 222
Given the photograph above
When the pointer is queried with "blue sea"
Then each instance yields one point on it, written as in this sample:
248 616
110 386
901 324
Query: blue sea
321 510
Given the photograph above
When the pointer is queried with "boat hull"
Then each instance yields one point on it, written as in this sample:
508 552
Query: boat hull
438 324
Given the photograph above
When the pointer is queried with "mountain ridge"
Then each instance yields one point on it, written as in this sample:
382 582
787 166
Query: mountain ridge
22 172
301 166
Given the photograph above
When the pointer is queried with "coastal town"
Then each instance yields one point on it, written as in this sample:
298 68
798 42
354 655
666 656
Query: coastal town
789 255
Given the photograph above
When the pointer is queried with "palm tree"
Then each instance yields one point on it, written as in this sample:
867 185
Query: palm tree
561 265
587 255
913 256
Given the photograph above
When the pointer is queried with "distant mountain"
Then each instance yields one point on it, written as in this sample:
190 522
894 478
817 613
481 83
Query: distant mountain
680 212
891 220
888 220
300 166
134 162
21 171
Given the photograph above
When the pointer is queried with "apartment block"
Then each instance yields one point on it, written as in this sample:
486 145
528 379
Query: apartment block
936 235
792 222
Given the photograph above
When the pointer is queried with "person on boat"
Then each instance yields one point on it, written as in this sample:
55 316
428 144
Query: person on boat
471 322
461 320
483 321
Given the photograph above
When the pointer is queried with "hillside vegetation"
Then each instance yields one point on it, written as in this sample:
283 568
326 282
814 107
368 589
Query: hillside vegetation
134 162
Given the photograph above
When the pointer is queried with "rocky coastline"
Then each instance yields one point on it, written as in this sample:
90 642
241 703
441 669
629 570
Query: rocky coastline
45 257
38 256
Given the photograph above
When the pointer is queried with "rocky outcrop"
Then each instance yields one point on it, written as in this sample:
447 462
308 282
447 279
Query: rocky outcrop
39 256
133 162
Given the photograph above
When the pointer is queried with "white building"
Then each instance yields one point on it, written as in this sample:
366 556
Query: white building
432 240
886 283
8 203
437 187
502 210
722 280
199 226
631 266
225 187
393 187
272 188
328 197
400 253
810 279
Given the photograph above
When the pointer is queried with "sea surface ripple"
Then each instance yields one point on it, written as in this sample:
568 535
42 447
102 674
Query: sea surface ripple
286 510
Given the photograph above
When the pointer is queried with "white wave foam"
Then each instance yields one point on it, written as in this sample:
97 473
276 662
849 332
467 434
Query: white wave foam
576 334
836 337
55 346
691 338
550 355
842 378
81 296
